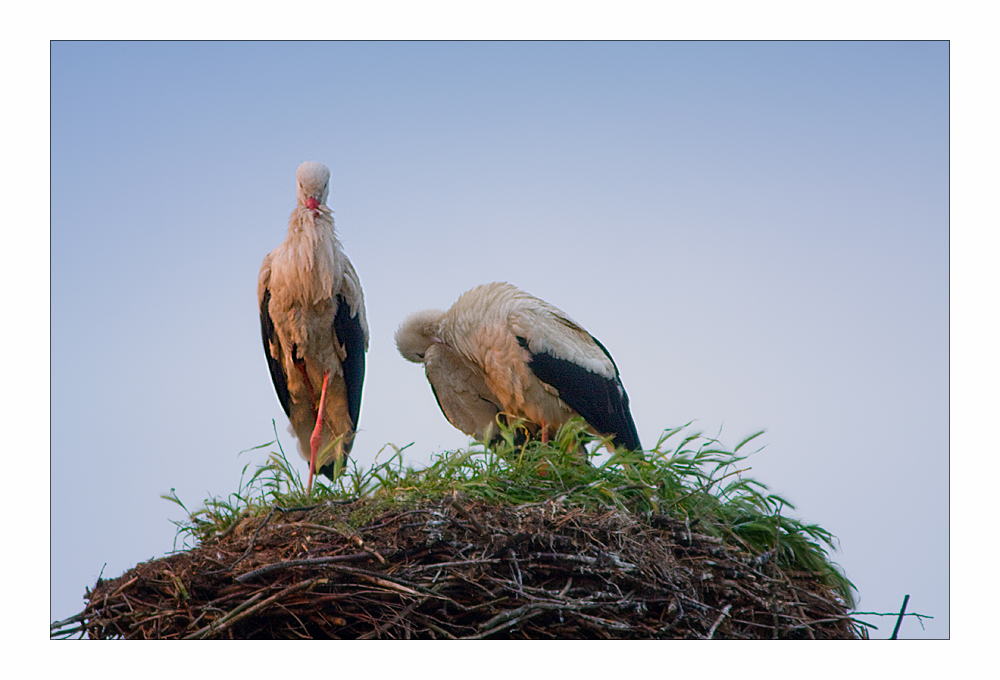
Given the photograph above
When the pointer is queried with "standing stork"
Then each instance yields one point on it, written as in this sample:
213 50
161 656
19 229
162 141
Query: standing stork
501 350
312 319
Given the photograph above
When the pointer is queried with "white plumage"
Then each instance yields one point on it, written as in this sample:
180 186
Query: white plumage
501 350
313 324
458 384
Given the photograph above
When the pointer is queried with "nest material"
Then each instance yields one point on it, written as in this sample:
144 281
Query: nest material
462 569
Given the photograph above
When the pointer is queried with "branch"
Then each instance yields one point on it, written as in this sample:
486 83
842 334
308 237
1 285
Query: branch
277 566
711 631
902 613
919 616
245 610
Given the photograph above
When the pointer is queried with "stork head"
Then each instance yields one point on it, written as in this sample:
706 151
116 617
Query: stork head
313 184
417 333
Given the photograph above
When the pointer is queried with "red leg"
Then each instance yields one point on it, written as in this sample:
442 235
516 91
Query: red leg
543 469
305 376
317 435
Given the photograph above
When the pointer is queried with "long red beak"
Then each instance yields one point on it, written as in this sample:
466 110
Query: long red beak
312 203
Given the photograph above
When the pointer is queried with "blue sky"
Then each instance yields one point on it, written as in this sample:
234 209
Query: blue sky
758 232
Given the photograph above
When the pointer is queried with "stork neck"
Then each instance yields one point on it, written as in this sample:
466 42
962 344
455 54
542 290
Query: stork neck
308 258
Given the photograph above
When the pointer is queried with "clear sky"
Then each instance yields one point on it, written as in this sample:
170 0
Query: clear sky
758 232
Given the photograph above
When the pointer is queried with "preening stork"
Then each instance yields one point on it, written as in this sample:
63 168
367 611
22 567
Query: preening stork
458 384
499 350
312 319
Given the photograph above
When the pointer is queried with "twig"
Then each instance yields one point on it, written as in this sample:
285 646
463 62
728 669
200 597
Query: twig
396 580
606 623
902 613
830 619
123 587
516 570
462 563
437 629
334 530
239 608
395 518
465 513
914 614
378 630
73 619
389 584
606 559
254 538
172 612
711 631
507 619
237 615
236 522
309 562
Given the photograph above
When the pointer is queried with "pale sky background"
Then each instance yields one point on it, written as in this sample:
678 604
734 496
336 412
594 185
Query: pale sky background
758 232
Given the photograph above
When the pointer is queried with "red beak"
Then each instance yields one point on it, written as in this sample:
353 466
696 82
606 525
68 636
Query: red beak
312 203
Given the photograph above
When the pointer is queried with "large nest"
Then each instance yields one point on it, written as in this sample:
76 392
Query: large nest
461 566
464 570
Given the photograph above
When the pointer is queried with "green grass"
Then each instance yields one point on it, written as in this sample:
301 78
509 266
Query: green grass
686 475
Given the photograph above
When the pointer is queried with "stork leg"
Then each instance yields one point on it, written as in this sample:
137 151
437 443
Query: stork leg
543 469
317 435
305 378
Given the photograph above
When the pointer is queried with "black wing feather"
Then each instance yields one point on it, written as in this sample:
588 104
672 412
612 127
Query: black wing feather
277 370
352 337
603 403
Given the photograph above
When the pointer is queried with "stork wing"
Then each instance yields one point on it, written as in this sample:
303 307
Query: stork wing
272 350
461 393
572 361
351 335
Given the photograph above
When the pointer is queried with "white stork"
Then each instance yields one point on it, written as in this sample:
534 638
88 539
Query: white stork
501 350
312 319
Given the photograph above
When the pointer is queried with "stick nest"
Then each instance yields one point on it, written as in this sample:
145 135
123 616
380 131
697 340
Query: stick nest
515 540
462 568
